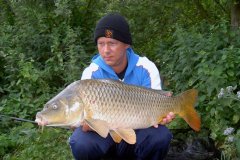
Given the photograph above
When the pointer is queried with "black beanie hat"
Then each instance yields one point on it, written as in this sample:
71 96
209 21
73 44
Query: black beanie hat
113 26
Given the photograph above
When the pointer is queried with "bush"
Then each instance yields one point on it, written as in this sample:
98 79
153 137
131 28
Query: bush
44 46
27 142
206 57
39 51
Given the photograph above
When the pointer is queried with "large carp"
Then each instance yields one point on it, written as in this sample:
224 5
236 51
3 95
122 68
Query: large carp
110 106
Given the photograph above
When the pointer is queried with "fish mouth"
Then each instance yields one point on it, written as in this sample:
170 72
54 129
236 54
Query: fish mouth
40 120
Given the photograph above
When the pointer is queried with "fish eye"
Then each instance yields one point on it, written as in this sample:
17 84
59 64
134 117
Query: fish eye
54 106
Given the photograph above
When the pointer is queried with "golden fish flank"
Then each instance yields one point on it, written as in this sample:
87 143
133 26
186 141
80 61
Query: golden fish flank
109 106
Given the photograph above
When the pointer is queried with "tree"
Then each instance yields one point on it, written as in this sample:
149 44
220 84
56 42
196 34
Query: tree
235 14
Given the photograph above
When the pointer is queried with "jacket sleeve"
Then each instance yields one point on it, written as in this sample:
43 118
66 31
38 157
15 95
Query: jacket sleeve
151 76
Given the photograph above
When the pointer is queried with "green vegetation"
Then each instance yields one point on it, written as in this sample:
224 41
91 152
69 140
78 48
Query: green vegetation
207 61
46 44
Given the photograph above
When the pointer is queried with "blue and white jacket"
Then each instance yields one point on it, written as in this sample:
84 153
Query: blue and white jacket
140 71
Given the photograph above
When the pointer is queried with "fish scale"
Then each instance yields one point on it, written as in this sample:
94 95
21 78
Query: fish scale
118 104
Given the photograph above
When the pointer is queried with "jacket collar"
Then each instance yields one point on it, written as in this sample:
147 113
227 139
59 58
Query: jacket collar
132 61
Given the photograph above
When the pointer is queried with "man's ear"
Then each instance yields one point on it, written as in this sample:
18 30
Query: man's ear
127 46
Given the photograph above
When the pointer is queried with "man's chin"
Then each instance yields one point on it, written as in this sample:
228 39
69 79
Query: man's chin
110 63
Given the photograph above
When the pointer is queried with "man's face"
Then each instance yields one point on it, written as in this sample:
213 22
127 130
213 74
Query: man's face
112 51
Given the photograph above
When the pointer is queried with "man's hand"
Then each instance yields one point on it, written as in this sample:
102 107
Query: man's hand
168 118
170 115
85 127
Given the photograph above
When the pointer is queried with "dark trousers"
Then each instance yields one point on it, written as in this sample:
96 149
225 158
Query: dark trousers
152 144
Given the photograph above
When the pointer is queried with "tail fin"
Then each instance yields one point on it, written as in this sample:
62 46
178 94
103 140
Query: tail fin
187 111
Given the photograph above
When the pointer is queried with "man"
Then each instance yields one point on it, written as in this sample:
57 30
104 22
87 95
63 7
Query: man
116 60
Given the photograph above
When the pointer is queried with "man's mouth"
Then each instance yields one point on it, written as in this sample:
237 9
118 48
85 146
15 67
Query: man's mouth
107 58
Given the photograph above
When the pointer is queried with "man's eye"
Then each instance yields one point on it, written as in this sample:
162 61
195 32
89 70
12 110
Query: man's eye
112 43
100 44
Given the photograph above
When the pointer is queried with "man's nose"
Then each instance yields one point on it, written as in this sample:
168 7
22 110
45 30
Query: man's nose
106 49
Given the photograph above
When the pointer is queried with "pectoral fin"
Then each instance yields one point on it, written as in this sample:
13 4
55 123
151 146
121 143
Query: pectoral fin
116 138
100 126
127 135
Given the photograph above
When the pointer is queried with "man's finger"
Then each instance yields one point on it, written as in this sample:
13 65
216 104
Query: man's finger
164 121
172 115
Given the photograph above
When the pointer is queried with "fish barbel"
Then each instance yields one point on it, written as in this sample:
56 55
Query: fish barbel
110 106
